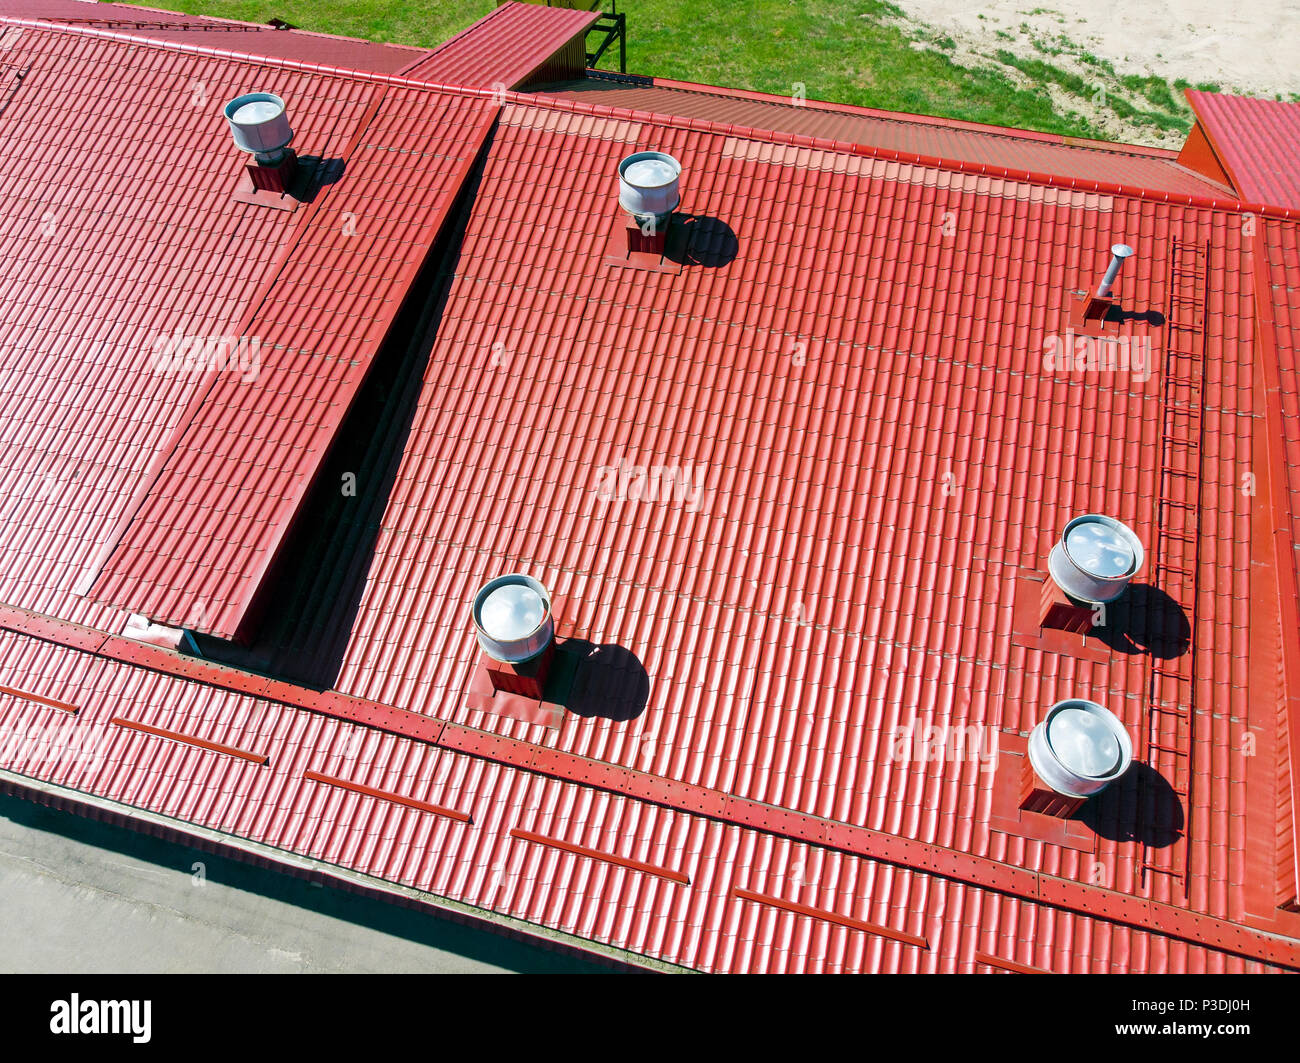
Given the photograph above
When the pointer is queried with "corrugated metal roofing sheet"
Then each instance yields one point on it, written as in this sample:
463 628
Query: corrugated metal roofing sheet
1276 254
703 924
108 252
794 618
502 48
210 513
1257 141
1278 269
847 335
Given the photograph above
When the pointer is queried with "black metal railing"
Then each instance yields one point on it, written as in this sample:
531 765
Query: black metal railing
611 27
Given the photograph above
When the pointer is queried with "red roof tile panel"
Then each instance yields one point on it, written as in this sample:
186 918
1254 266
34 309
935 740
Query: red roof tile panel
805 726
504 47
105 260
1257 142
1277 271
211 512
703 925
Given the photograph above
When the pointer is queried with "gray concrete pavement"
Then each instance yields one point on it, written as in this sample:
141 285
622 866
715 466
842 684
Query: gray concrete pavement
85 897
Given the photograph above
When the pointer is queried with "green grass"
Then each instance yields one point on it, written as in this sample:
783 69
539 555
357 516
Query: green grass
1204 86
1044 72
1154 88
1160 119
838 49
1092 60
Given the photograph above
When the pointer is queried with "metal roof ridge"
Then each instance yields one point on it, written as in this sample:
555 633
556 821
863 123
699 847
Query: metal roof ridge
484 30
455 37
208 23
1006 173
1096 902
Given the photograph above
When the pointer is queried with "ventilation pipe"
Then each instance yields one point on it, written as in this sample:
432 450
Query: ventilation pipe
1118 253
649 188
260 125
1079 749
1095 559
512 616
516 631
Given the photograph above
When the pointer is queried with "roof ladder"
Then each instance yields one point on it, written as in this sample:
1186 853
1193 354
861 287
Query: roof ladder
1175 569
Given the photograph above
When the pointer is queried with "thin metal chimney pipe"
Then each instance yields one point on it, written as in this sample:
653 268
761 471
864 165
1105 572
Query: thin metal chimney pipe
1118 252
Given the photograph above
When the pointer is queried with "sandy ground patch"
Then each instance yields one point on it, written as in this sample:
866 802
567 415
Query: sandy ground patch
1249 48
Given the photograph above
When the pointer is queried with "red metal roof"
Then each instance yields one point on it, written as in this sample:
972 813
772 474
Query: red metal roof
205 31
918 134
504 47
210 511
1277 292
883 456
908 376
1257 142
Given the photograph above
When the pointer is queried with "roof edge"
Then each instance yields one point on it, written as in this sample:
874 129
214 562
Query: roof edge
1285 560
217 20
82 803
1204 124
701 125
529 99
278 62
1040 887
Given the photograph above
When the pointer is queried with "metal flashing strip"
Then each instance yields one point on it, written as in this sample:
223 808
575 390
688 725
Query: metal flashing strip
387 795
596 854
53 703
190 740
1007 965
832 917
